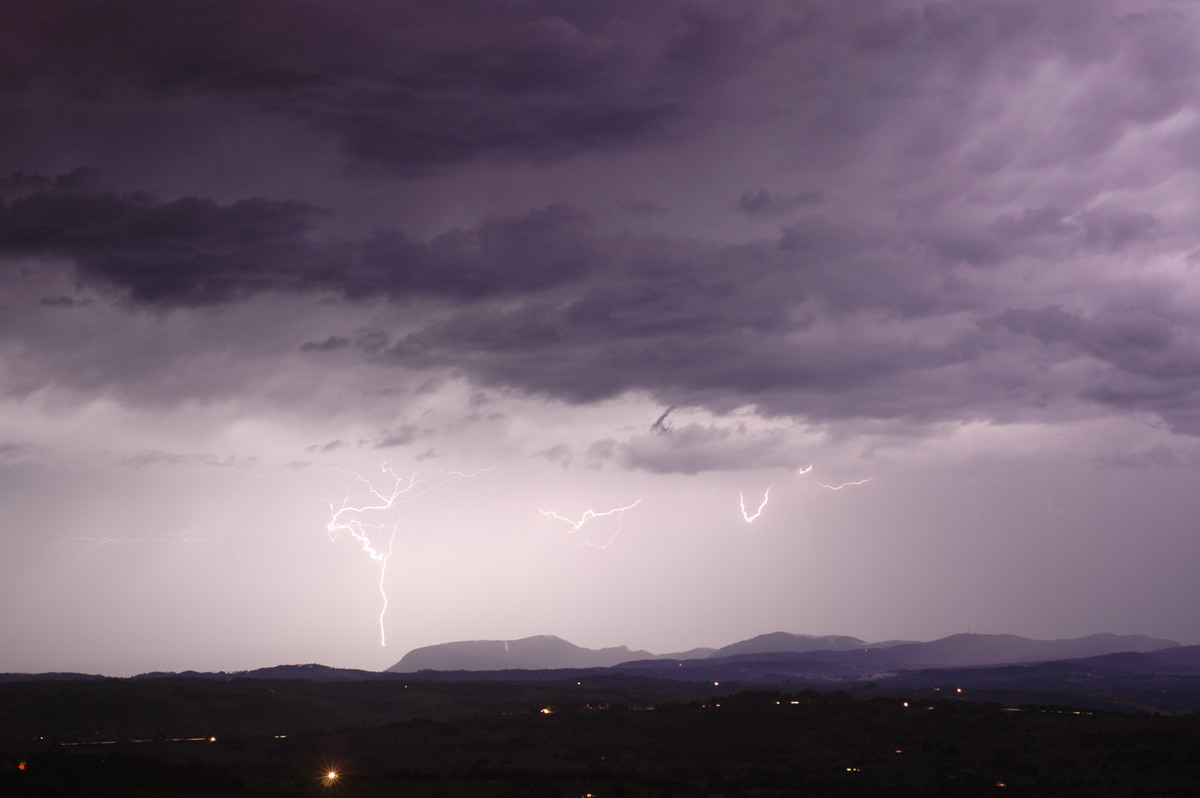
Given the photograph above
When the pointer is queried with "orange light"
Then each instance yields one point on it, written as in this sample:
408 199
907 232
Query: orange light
330 778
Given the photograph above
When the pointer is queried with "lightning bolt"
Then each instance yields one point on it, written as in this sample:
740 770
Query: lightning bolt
805 470
846 484
742 502
347 518
590 515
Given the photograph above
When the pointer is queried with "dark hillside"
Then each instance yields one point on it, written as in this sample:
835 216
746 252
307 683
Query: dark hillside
556 740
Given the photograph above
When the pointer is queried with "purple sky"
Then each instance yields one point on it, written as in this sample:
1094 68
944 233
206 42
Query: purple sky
249 248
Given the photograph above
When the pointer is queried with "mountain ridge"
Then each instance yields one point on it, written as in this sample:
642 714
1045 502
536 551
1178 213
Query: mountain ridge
549 652
539 652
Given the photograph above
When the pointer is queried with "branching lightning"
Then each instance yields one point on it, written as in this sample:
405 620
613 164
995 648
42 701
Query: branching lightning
348 518
846 484
590 515
748 517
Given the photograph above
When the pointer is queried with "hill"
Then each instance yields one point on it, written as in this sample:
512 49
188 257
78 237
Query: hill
824 656
975 649
541 652
785 641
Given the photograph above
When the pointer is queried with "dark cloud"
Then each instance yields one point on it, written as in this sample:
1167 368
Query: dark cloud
388 438
188 251
1113 230
547 304
546 247
406 84
560 454
22 181
723 326
1149 366
904 284
1031 222
329 446
195 251
16 452
60 301
695 448
641 207
600 453
1103 229
418 86
1133 339
331 344
660 424
773 203
156 457
397 436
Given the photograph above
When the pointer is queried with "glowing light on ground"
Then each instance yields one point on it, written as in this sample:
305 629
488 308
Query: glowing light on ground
591 515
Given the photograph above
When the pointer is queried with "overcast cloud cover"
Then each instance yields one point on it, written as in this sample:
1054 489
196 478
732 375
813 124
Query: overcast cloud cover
561 256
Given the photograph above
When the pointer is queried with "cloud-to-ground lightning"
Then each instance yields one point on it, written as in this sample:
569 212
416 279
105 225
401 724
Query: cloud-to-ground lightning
747 516
348 517
750 517
846 484
590 515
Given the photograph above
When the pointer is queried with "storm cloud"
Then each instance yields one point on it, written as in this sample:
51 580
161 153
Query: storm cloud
248 247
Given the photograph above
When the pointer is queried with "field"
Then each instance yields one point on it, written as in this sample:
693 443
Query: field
177 736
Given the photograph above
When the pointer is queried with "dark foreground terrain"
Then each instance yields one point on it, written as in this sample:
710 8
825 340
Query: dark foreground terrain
618 737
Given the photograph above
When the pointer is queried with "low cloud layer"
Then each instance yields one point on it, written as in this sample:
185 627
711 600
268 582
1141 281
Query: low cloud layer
821 323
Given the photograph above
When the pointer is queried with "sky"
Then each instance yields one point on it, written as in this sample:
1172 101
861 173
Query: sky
331 330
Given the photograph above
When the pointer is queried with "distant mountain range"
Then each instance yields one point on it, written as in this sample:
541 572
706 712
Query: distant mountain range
777 658
544 652
833 656
1125 673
